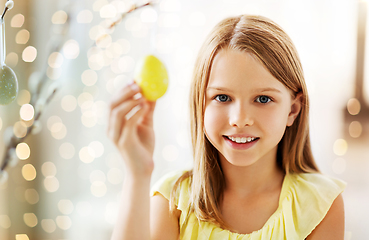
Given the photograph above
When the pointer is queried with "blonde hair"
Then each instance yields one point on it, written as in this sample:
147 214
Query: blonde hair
271 45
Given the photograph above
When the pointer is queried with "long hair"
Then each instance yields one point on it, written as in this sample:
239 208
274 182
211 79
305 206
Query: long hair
267 41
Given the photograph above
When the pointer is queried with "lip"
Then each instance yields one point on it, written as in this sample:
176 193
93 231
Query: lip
240 146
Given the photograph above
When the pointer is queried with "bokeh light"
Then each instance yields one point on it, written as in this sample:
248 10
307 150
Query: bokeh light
29 172
126 64
65 206
98 189
89 119
48 225
63 222
48 169
353 106
29 54
31 196
340 147
20 129
59 17
17 21
11 59
85 156
339 166
24 97
89 77
115 176
21 237
71 49
27 112
108 11
104 41
51 184
23 151
53 120
97 176
96 149
125 44
355 129
55 60
30 219
53 73
5 221
69 103
22 36
67 150
58 130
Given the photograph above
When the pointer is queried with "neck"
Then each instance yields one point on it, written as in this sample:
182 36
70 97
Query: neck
250 180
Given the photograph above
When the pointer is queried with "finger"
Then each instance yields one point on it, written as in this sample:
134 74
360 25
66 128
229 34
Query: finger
124 94
118 118
148 116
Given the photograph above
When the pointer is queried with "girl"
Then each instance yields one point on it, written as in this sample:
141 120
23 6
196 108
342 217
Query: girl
254 176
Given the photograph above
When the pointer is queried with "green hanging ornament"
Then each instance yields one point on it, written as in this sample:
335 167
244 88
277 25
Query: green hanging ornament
8 79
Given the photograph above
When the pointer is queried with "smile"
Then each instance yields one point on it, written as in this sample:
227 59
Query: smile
241 139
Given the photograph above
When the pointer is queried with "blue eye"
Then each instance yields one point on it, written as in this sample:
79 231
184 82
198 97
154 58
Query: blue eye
222 98
263 99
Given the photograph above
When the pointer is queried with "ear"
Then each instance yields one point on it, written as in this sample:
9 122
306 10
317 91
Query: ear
295 109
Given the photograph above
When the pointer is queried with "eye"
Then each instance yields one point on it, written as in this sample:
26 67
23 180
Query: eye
263 99
222 98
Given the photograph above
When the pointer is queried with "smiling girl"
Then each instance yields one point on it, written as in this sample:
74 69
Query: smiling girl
254 176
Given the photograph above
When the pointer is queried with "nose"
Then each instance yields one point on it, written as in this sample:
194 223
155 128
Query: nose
241 116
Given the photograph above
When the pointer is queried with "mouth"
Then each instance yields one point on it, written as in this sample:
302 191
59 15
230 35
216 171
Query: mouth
242 140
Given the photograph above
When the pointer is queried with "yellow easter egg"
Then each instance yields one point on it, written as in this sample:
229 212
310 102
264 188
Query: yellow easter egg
151 75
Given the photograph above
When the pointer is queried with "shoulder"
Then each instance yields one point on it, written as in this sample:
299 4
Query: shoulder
310 198
165 184
317 184
333 224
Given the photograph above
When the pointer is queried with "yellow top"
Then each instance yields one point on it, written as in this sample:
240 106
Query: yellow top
304 201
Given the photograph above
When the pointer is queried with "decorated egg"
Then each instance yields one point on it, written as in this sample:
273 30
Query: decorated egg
151 75
8 85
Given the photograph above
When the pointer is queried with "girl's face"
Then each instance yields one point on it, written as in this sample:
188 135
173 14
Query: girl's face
246 109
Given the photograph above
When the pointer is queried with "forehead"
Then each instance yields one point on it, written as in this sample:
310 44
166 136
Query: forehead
241 70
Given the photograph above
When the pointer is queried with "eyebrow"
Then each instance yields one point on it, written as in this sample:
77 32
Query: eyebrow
269 89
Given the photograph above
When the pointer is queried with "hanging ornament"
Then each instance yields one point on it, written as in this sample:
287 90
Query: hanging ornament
8 79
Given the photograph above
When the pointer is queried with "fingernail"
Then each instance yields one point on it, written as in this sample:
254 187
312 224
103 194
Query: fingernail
134 87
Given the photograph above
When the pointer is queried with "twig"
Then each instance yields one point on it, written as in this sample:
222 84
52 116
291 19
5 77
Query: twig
133 8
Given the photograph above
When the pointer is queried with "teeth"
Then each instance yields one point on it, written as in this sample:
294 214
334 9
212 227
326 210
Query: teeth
241 140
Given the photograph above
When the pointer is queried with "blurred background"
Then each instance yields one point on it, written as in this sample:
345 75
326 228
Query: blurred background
65 177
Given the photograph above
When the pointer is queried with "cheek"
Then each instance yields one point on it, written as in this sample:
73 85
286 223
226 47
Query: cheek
213 120
275 120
